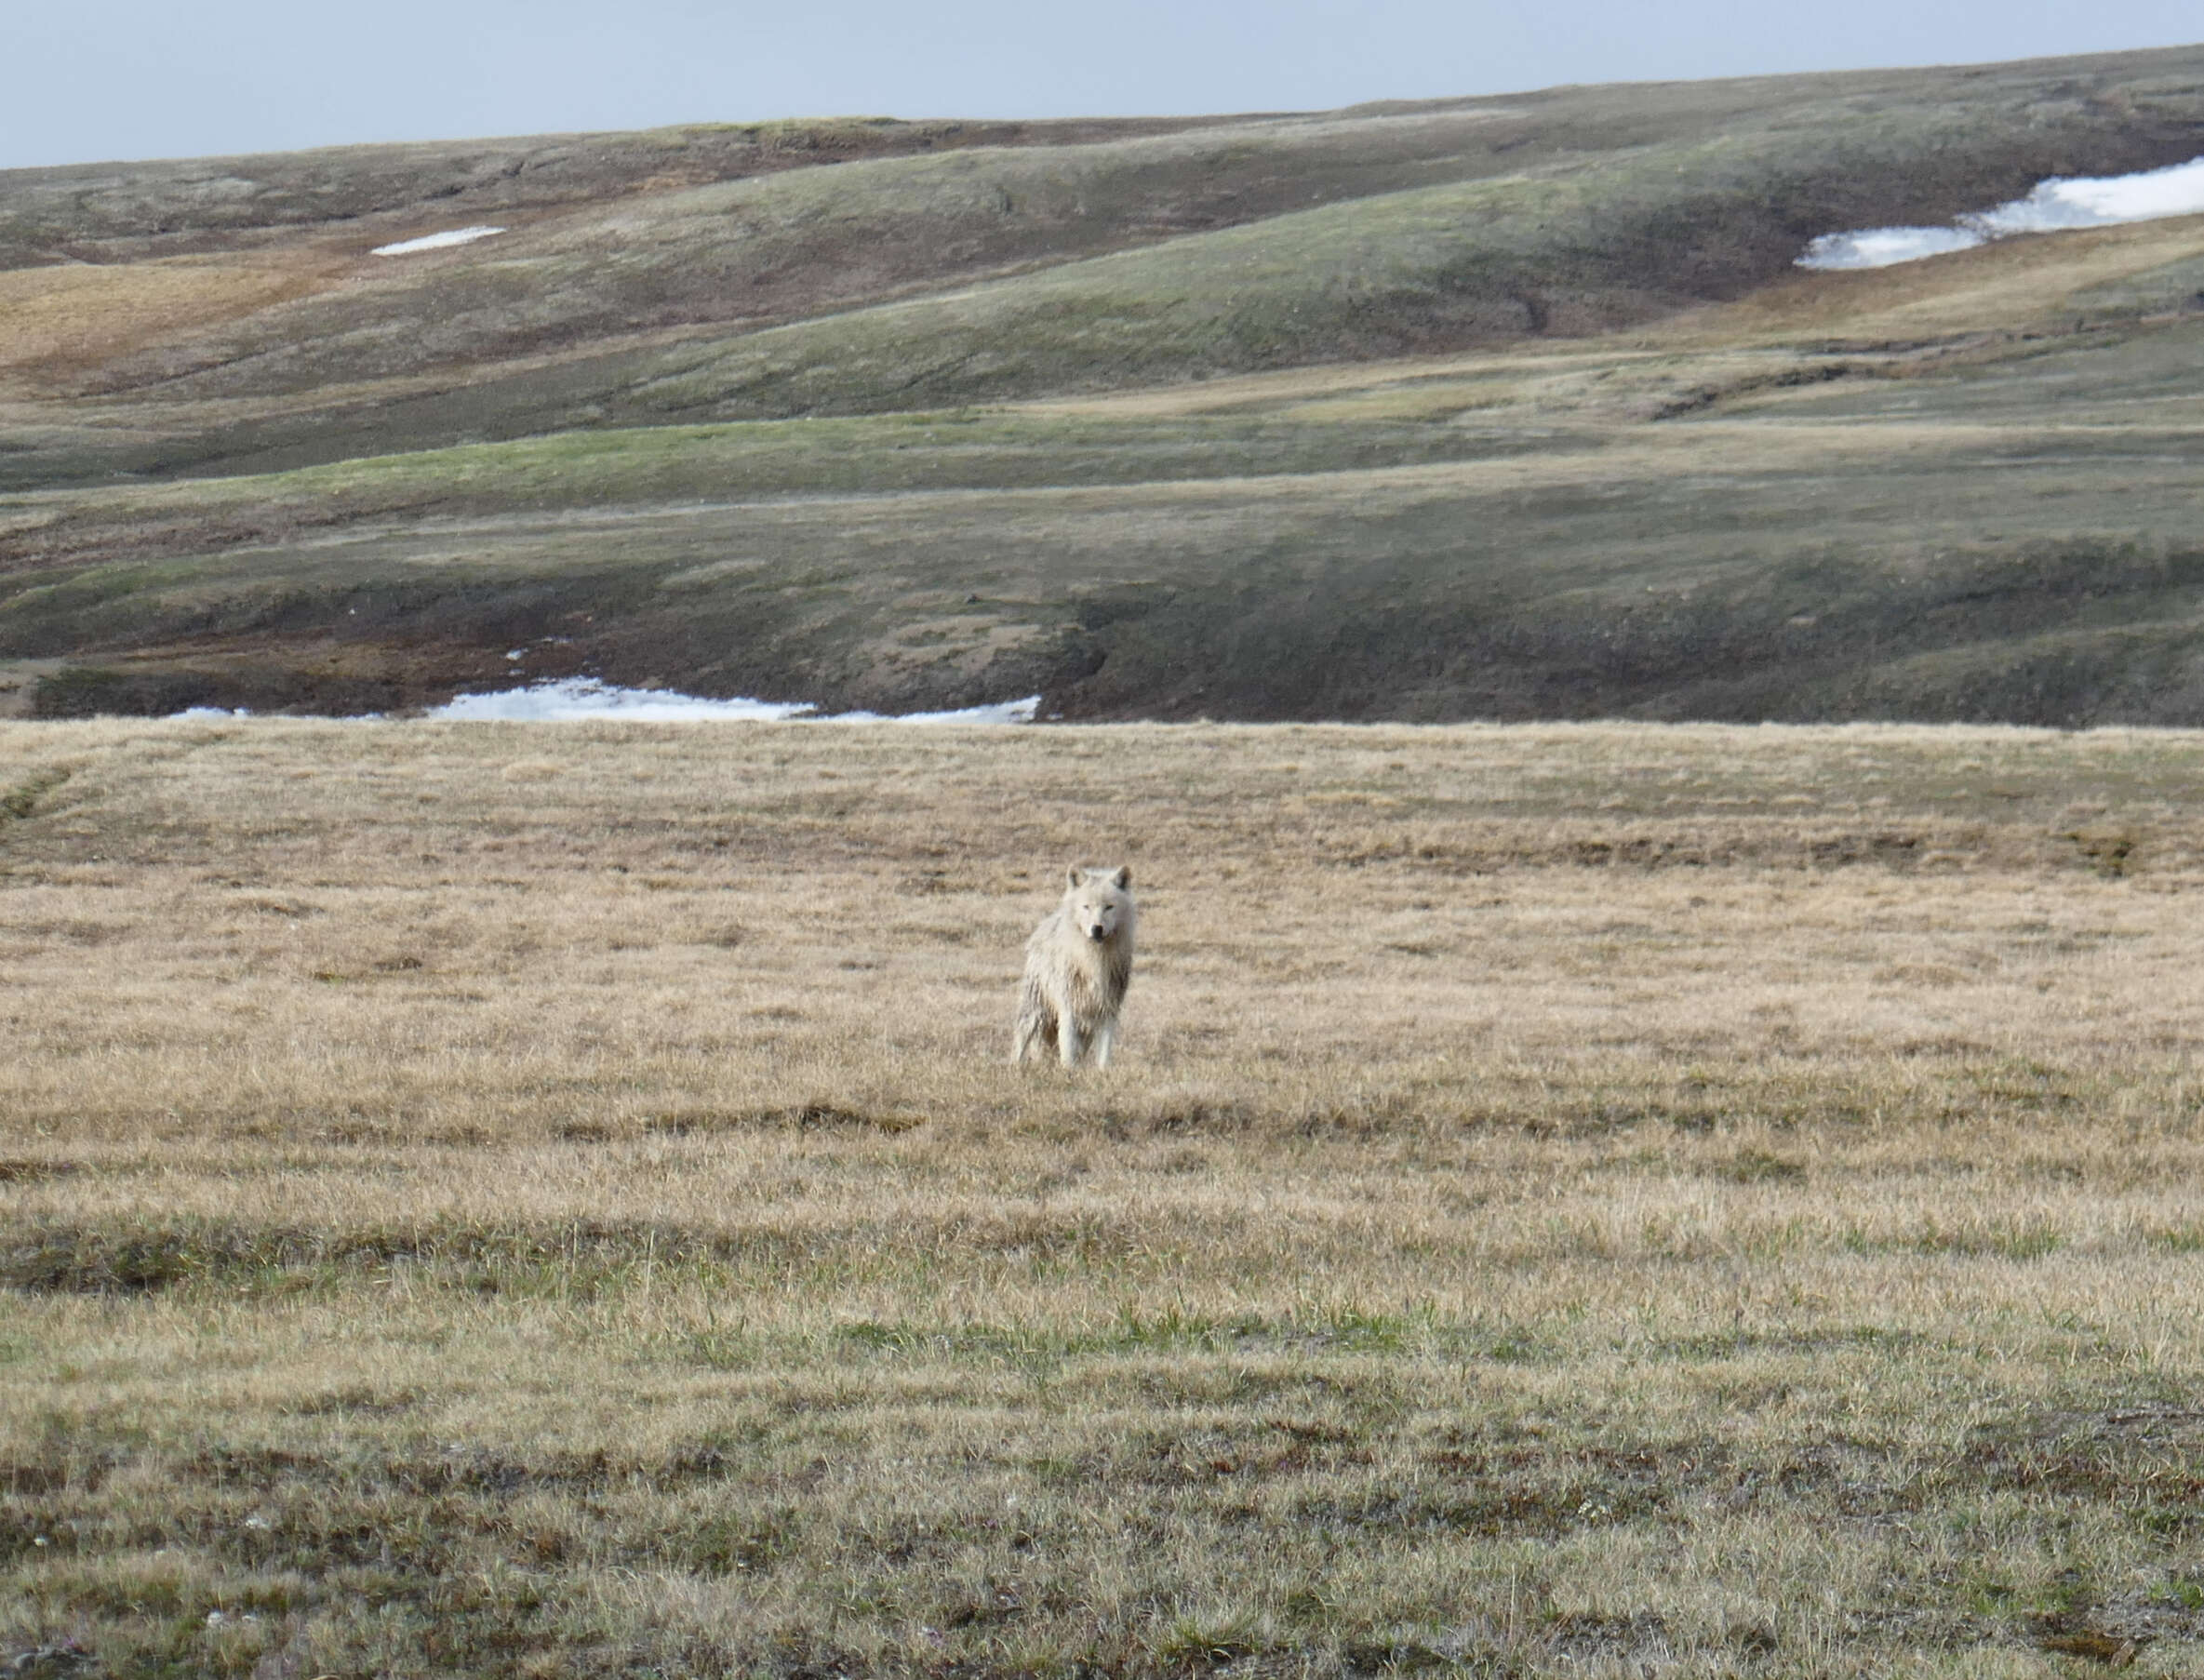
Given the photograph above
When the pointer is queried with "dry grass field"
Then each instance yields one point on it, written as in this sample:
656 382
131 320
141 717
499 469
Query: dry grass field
1594 1200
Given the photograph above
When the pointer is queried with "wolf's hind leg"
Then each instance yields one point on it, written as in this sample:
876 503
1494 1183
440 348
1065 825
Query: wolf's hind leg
1032 1029
1033 1021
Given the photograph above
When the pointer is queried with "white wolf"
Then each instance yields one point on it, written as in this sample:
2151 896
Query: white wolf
1077 964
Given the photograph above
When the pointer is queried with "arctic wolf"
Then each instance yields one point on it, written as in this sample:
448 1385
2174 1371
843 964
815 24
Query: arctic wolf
1077 964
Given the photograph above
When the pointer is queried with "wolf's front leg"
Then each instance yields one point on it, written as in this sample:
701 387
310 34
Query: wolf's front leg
1105 1038
1067 1039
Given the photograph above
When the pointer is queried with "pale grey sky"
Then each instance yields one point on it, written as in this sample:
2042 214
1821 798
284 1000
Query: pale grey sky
91 80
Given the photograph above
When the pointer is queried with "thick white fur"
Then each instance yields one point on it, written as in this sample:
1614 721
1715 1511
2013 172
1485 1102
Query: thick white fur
1077 964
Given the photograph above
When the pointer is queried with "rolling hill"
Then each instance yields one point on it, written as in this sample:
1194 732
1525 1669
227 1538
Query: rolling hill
1501 408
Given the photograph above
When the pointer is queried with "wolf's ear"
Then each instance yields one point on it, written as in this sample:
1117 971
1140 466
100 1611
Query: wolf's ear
1124 876
1076 874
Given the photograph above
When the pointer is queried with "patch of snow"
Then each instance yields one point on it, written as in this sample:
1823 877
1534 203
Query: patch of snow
574 698
435 242
579 697
568 699
1879 248
2099 201
2087 201
220 715
1005 711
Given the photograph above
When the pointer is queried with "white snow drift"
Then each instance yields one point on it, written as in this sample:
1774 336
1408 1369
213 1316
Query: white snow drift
435 242
2098 201
579 697
584 696
572 699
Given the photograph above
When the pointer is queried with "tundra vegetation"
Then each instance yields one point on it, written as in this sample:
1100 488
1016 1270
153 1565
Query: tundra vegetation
507 1200
1509 407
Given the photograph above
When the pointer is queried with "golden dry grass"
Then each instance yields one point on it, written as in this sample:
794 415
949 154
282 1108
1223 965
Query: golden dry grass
56 323
487 1199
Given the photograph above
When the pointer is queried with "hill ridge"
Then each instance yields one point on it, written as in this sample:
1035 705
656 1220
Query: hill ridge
1224 332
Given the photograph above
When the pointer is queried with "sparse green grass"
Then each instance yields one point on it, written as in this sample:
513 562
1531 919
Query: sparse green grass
546 1201
1998 531
927 450
1589 243
1951 543
1959 492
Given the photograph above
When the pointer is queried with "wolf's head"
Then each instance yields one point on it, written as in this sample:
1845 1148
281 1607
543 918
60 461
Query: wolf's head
1099 903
